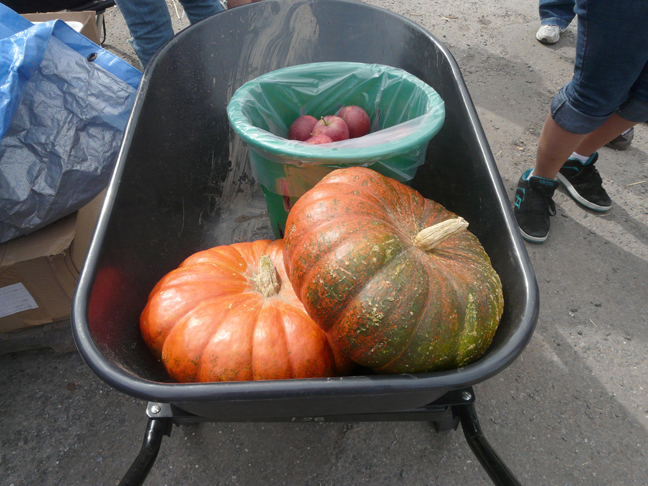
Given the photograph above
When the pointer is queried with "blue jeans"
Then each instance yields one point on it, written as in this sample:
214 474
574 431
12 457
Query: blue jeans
149 22
611 68
556 12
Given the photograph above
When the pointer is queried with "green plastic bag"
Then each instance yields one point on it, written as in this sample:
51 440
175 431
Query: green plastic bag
405 112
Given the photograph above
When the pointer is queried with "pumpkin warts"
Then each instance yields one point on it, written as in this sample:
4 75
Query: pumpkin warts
396 280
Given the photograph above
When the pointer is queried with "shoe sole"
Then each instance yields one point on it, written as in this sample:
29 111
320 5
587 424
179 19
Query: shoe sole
619 145
544 40
533 239
580 199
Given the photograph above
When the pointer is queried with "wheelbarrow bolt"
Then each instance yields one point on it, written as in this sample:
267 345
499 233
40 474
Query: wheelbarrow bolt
466 395
155 409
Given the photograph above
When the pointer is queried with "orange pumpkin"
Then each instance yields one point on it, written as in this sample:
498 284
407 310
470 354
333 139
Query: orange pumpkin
230 314
395 279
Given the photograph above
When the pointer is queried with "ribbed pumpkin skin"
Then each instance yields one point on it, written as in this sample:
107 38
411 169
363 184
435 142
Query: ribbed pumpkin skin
387 304
207 321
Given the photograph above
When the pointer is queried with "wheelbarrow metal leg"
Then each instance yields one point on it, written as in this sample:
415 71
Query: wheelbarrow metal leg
156 429
499 473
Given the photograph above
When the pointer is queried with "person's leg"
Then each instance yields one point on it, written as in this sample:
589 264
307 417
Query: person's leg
611 60
557 144
198 10
634 110
555 16
554 147
579 174
612 128
623 141
556 12
149 24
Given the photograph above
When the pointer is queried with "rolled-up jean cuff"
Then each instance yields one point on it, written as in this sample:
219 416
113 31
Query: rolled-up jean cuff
634 110
572 120
555 21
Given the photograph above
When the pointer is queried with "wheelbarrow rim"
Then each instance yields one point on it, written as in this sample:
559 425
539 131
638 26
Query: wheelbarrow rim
492 363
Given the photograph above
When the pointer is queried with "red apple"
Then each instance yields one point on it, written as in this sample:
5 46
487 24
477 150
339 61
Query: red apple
301 128
356 119
333 126
319 139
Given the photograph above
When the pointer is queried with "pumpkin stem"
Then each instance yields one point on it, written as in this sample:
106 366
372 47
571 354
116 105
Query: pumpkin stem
266 279
428 238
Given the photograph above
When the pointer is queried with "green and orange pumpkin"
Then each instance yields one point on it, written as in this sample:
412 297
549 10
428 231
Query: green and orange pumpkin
396 280
229 314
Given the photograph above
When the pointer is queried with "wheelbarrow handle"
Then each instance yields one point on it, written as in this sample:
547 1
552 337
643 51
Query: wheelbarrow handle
497 470
156 429
459 404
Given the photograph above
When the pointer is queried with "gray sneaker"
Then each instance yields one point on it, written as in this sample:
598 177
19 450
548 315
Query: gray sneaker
623 141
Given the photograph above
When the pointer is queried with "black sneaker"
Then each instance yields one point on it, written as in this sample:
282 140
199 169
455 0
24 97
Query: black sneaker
534 206
584 183
623 141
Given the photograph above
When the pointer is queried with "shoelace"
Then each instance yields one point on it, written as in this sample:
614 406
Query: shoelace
542 204
590 172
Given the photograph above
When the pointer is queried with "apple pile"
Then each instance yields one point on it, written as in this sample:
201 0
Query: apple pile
349 122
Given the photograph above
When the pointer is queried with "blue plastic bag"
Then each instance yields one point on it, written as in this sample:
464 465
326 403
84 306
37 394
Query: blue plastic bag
64 104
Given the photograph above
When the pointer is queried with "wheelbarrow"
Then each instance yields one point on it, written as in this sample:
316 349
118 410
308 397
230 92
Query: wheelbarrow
183 183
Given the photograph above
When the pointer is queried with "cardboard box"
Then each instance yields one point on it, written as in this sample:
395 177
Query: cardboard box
87 21
39 271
